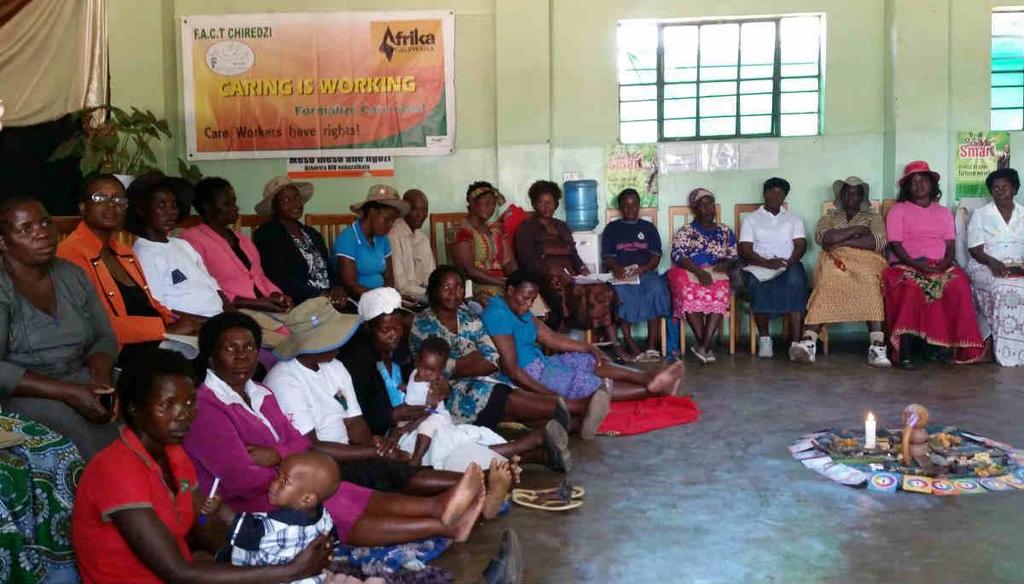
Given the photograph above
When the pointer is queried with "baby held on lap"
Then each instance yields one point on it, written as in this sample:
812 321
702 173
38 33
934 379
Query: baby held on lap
303 482
434 439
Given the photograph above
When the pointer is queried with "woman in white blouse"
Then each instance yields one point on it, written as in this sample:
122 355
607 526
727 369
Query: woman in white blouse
995 236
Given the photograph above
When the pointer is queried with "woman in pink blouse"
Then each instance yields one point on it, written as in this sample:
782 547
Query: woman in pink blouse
926 295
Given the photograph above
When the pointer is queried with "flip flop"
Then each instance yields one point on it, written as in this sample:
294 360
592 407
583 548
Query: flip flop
649 356
576 492
554 504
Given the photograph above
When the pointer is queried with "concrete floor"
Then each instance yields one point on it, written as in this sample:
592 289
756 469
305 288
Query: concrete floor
721 500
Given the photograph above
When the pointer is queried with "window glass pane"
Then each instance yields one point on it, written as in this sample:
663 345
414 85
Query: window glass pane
1007 64
1008 119
638 110
715 73
760 86
672 75
680 108
799 124
1007 97
799 102
682 90
718 127
799 84
1007 79
756 104
799 38
1006 47
1011 23
721 88
680 128
631 76
757 71
755 124
680 58
805 70
758 43
719 44
717 106
638 132
637 92
637 45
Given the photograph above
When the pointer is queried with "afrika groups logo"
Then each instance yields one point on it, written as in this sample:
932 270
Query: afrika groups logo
413 37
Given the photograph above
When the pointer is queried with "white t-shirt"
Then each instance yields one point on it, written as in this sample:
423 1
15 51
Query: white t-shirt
177 276
772 235
313 400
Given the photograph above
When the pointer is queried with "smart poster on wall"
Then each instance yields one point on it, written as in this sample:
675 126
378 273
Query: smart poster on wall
632 166
318 84
977 155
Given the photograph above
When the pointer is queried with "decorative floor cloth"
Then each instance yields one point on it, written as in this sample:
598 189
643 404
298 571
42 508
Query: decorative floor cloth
626 418
37 485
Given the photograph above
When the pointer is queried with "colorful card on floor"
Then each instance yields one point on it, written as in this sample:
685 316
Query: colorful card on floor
884 482
944 487
815 453
968 486
801 445
995 484
844 474
916 484
817 464
1018 474
1013 481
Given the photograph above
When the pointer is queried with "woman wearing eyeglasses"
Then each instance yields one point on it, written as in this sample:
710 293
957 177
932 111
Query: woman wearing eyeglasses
138 320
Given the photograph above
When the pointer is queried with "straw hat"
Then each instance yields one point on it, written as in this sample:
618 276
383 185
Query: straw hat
383 195
315 327
852 181
276 185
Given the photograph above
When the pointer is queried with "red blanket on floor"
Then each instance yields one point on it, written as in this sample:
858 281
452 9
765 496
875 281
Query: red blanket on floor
646 415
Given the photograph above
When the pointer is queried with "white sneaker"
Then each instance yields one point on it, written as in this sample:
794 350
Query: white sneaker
764 348
803 351
877 356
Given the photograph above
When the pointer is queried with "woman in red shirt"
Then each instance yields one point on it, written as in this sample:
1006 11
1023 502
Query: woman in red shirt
137 500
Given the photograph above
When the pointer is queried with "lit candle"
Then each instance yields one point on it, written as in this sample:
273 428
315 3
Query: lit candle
869 432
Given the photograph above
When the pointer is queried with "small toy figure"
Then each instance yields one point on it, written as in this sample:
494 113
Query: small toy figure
915 437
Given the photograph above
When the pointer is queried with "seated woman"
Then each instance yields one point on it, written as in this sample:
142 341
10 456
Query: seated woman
139 320
631 247
577 370
926 295
546 250
480 393
240 436
379 364
706 249
481 250
363 250
57 349
852 239
138 499
772 241
317 394
177 275
995 237
294 256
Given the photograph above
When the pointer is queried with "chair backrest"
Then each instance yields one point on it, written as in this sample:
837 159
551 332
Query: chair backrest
250 222
443 221
329 224
740 211
679 215
887 205
827 206
648 213
65 225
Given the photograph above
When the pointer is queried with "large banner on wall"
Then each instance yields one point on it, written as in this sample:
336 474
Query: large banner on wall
313 84
977 155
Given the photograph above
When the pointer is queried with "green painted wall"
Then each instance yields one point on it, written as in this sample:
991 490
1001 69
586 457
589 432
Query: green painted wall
536 92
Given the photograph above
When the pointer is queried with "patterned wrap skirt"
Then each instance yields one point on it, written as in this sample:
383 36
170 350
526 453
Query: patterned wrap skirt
689 295
936 307
847 287
999 303
570 375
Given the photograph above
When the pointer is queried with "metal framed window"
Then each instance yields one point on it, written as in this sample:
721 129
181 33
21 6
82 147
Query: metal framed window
1007 70
748 78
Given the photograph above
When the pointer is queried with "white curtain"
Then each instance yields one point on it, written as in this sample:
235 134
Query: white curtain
53 60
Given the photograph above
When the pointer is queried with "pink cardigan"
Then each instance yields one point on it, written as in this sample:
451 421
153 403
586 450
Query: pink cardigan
225 267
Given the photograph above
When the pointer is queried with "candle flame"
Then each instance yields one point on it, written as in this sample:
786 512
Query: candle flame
871 417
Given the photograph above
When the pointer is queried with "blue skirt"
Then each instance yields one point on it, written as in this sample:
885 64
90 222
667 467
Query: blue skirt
648 300
784 293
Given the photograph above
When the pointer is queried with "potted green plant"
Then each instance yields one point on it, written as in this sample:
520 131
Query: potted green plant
112 140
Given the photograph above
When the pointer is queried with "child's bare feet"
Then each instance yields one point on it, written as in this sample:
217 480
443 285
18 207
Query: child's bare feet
462 496
666 381
517 471
499 483
461 530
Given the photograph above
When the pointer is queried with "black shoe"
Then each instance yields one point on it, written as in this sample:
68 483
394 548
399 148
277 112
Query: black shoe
562 415
507 565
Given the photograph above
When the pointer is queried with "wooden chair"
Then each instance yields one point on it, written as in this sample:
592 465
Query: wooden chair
678 216
329 224
444 221
876 207
740 211
887 205
65 225
250 222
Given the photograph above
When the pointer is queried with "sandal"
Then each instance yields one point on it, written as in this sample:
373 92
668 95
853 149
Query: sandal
561 498
575 492
649 356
